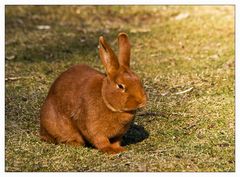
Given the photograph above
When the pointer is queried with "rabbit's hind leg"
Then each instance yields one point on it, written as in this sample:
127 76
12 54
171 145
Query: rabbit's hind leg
66 132
45 136
74 139
58 128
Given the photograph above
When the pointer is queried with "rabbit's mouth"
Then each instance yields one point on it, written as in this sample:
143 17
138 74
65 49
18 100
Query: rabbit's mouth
135 107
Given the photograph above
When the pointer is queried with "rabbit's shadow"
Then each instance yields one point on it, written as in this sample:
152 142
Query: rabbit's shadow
136 133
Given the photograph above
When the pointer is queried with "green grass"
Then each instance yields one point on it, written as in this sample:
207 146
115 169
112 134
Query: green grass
192 131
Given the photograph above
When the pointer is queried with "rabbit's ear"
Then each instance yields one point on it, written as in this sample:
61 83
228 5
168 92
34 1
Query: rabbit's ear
124 49
108 57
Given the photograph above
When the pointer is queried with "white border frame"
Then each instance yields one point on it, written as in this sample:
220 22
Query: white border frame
2 92
120 2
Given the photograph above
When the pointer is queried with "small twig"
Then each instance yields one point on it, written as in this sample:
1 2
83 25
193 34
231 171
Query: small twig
165 93
15 78
150 114
184 91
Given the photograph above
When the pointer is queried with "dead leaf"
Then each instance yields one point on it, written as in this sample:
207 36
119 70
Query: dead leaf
140 30
43 27
11 57
182 16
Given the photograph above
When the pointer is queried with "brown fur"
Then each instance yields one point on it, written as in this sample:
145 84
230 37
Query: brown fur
84 105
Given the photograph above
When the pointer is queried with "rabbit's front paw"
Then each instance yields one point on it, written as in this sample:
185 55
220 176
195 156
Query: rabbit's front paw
113 150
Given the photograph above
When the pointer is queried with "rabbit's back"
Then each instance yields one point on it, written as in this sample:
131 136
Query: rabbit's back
74 79
71 88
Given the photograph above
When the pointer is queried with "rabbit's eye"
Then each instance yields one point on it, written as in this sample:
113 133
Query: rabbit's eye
120 86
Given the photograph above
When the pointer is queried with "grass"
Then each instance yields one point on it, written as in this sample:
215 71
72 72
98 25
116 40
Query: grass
175 48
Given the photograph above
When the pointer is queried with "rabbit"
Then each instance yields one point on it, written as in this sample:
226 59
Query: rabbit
84 105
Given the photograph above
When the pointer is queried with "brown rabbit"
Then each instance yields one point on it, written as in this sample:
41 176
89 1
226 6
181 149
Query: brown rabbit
85 105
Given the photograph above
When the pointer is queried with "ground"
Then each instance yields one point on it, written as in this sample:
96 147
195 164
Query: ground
184 56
